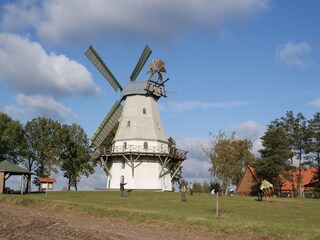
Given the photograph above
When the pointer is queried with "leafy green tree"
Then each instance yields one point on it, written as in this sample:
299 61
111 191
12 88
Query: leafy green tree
41 136
242 158
11 139
197 187
229 156
216 186
275 154
313 146
75 154
206 187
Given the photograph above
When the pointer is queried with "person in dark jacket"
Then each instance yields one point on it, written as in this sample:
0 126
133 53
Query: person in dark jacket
122 189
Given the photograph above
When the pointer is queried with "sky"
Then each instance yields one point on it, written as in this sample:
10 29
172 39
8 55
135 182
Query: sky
234 65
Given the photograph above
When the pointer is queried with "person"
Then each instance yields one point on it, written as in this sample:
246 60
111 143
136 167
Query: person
260 192
183 192
213 192
191 188
122 189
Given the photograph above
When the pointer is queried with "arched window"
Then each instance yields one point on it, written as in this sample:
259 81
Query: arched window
125 145
144 111
145 145
128 124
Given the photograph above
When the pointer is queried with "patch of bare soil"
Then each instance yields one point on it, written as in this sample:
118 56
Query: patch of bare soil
19 222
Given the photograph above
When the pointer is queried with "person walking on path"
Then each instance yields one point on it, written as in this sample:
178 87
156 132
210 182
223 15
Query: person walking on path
191 188
183 192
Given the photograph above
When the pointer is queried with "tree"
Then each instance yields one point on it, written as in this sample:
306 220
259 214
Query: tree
275 154
197 187
11 139
313 146
75 155
228 157
42 144
298 137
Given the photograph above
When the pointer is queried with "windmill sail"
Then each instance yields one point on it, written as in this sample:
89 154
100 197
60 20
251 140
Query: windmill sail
102 67
107 124
142 60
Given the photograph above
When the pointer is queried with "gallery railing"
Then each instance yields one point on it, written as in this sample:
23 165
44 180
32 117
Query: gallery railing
154 150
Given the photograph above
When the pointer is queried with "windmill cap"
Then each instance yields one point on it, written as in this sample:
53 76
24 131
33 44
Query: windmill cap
134 88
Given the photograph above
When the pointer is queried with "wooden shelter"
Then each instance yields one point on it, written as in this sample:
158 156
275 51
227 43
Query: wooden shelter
7 170
46 183
249 183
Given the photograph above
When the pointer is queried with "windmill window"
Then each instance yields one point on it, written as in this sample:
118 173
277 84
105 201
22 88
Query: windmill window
128 124
144 111
123 164
125 145
145 145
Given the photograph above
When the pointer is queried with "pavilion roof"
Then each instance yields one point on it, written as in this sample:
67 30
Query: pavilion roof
8 167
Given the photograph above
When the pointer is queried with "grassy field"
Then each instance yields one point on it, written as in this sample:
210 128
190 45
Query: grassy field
285 218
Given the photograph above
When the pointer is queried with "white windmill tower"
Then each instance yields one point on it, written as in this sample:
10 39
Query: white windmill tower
140 154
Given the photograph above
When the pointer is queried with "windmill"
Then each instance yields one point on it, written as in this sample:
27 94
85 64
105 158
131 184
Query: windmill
140 154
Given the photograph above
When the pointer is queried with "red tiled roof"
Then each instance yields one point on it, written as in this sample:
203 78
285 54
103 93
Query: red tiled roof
307 175
47 180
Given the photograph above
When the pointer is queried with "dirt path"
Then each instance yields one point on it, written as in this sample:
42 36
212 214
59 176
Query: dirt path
19 222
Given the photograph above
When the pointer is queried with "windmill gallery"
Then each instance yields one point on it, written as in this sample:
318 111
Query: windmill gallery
140 154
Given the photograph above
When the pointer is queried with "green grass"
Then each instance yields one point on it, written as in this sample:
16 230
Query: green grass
285 218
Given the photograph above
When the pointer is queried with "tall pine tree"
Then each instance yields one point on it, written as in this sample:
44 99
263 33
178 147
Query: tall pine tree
275 154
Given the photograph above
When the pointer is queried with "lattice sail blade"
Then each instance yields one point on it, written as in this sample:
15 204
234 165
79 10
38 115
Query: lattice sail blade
94 57
107 124
142 60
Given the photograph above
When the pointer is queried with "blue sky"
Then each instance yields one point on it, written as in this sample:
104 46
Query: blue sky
234 65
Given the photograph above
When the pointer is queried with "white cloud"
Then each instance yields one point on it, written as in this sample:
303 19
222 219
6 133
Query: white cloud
96 180
315 103
25 66
193 105
294 54
249 130
37 105
20 15
76 20
197 164
252 131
